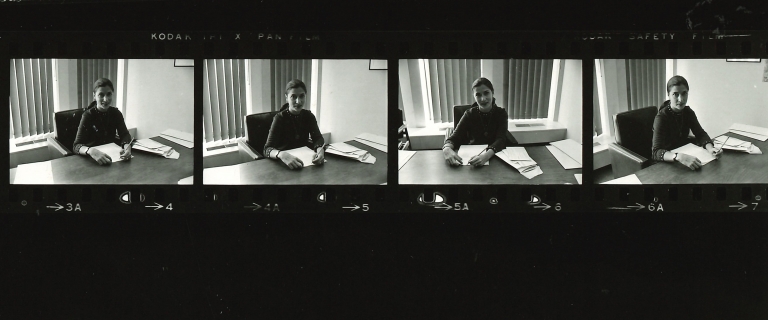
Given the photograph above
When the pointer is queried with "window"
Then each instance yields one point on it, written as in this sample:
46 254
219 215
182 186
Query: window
226 84
88 71
521 86
597 125
646 85
31 99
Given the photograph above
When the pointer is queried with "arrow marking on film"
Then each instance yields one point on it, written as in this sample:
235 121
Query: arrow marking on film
254 206
59 207
156 206
545 206
740 205
443 206
353 208
637 207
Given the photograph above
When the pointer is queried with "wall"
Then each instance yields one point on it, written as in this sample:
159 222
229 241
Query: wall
723 93
569 110
353 99
159 96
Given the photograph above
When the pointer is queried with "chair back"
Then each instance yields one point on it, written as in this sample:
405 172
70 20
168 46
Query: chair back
634 130
257 129
65 125
458 112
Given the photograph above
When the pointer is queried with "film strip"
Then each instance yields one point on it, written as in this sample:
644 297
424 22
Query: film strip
393 196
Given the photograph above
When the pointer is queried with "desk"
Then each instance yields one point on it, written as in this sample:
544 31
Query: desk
429 167
143 168
336 170
731 167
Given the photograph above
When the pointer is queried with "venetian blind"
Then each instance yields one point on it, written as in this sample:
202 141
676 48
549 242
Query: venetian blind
31 97
448 84
525 88
645 82
224 99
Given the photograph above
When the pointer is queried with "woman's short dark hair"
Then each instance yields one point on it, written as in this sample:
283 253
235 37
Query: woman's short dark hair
482 82
295 83
677 81
103 82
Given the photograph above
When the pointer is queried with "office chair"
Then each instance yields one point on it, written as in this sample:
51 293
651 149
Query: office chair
256 133
634 140
65 125
458 112
403 130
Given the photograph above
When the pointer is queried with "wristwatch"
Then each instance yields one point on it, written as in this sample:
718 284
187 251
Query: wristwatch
675 158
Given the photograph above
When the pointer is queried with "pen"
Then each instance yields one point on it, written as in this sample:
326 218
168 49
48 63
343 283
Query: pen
723 145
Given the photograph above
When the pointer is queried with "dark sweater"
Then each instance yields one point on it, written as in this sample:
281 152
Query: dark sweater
670 130
291 131
98 128
477 127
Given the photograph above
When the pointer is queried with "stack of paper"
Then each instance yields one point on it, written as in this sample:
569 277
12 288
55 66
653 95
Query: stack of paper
221 175
567 152
403 156
304 154
372 140
630 179
182 138
468 151
155 147
345 150
112 150
34 173
518 158
732 143
754 132
693 150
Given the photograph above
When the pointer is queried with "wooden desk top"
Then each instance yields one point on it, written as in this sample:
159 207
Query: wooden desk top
143 168
731 167
429 167
336 170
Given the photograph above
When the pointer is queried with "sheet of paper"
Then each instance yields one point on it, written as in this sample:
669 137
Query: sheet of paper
403 156
570 147
222 175
304 154
179 141
369 159
702 154
380 147
359 155
578 177
179 135
731 143
751 129
148 143
343 147
34 173
468 151
112 150
172 155
753 149
373 138
750 135
564 160
517 153
527 168
630 179
187 180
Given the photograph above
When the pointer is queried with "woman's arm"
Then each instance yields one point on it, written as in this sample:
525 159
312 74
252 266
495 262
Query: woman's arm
702 138
274 137
83 136
660 138
122 129
314 132
501 132
459 135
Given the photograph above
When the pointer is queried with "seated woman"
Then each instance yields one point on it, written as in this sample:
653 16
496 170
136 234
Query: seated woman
672 124
292 127
483 123
99 124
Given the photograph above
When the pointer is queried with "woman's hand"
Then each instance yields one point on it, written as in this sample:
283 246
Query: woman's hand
100 157
715 152
319 157
451 157
689 161
291 161
125 154
481 159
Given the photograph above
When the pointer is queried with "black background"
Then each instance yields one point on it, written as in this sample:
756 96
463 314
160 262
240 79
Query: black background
468 265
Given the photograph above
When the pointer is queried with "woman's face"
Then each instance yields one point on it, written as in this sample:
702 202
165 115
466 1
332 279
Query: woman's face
295 98
483 96
678 97
103 98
